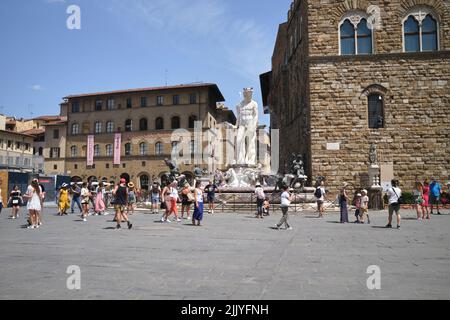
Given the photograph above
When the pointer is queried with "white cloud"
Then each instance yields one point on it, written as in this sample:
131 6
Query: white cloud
36 87
242 44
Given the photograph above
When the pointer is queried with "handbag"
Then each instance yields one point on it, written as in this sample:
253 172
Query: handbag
400 200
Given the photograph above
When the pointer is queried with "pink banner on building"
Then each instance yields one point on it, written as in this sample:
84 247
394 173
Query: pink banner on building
117 148
90 150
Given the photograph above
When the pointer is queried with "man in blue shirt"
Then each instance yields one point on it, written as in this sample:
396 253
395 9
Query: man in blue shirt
435 195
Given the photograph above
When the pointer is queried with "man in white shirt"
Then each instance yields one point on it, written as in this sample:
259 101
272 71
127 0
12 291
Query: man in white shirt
394 195
320 200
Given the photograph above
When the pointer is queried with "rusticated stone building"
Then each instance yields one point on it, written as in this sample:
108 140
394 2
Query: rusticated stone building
347 74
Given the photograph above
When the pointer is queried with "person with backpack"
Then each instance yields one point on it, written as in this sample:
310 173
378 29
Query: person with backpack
320 196
260 197
156 197
394 195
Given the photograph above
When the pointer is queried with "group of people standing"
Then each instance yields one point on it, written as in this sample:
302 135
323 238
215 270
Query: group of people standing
34 197
426 196
169 197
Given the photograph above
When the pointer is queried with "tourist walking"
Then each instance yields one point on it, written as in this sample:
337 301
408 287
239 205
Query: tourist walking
418 200
358 207
165 204
76 194
320 196
120 203
343 204
132 199
174 198
364 210
211 190
85 199
186 201
155 197
33 196
64 200
16 200
260 197
426 198
197 216
435 195
100 205
286 199
394 195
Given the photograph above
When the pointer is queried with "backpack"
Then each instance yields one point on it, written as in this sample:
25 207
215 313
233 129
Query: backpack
318 193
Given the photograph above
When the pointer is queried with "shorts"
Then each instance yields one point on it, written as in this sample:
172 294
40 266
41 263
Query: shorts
434 200
394 208
155 199
319 202
186 203
119 208
211 198
363 212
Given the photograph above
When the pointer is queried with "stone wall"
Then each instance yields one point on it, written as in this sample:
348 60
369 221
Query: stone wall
416 137
325 16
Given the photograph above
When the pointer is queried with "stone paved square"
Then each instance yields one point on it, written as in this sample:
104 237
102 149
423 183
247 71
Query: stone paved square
233 256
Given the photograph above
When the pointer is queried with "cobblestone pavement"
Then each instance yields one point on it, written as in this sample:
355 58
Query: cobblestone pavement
233 256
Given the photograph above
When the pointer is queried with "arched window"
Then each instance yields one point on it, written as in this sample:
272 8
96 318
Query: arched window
75 129
110 127
128 149
192 120
143 124
192 147
364 36
98 127
143 149
144 182
109 150
175 147
420 31
429 34
412 35
376 111
159 149
41 151
128 125
175 123
347 38
96 150
355 35
159 124
73 151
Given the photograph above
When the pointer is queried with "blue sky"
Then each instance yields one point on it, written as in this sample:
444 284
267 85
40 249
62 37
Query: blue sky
127 44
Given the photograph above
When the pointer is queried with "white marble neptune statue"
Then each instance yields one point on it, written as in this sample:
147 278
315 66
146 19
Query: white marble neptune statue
247 126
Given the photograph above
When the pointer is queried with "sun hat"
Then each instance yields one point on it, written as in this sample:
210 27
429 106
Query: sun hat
364 191
64 185
359 195
131 185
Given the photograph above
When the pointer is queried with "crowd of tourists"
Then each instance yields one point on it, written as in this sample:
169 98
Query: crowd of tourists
95 199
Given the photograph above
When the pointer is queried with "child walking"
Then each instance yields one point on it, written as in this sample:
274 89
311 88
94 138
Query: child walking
364 207
64 201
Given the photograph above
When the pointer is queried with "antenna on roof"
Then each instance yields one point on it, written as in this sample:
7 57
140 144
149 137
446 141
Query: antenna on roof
30 109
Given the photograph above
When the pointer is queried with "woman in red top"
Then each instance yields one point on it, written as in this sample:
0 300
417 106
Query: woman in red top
426 197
